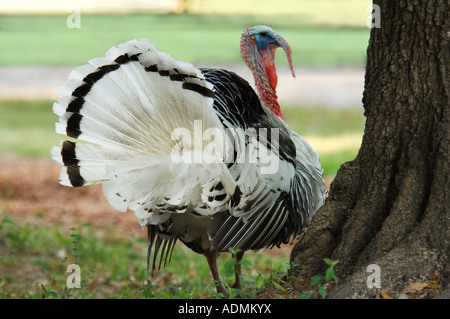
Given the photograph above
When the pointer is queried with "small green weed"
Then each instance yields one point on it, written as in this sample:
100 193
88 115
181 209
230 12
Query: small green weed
229 276
319 282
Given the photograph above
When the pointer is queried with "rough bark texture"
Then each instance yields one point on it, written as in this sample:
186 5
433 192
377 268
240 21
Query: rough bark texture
390 206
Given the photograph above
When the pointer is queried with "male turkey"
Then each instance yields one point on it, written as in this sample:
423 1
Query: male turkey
195 153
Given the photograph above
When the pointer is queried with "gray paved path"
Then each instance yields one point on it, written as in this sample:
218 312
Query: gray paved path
330 87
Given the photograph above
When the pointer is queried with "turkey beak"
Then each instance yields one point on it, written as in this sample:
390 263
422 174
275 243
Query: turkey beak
282 43
268 57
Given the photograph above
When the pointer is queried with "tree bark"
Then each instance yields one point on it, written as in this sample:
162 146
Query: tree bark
390 205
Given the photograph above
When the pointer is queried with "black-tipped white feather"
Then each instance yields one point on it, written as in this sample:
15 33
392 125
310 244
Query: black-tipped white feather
123 110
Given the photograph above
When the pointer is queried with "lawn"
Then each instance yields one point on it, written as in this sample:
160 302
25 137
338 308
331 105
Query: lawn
46 40
113 267
36 261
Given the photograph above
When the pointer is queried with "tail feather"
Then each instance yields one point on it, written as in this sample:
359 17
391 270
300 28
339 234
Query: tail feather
127 105
86 163
165 254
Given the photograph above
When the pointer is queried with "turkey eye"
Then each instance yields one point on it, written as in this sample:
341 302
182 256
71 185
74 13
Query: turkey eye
263 34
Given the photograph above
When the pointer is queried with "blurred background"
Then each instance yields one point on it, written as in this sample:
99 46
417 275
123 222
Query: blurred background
41 41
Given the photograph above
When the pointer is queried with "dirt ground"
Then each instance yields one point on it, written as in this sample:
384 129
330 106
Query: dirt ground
29 187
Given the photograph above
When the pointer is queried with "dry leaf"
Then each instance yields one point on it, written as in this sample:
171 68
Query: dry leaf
422 289
415 287
385 294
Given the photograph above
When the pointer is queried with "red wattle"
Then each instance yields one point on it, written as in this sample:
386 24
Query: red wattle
271 71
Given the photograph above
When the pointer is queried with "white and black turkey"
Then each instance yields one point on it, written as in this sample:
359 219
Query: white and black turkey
195 153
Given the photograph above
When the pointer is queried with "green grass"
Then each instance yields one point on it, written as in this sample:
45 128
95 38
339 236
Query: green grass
335 133
37 258
27 128
46 40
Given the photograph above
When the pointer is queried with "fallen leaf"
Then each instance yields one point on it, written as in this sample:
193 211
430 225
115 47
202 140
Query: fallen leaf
423 289
385 294
417 287
414 287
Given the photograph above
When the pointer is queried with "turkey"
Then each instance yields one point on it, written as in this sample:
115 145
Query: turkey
196 153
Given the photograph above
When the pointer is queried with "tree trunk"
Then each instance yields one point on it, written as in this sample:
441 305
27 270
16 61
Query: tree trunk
390 206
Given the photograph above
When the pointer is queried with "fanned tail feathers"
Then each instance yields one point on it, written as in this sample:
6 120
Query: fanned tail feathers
126 106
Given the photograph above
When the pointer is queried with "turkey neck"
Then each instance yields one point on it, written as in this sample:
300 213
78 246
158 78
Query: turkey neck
266 92
264 73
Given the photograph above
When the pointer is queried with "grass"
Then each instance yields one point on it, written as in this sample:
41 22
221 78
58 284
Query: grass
35 260
336 134
27 128
46 40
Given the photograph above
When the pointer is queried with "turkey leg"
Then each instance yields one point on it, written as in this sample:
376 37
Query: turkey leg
211 257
